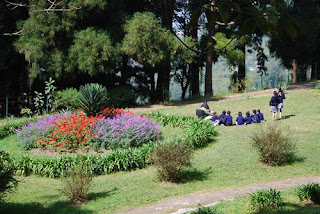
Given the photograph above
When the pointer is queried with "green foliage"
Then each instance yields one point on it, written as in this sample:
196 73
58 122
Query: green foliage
91 52
38 102
7 181
169 158
318 87
274 146
198 133
309 192
121 97
12 124
26 112
48 91
118 160
93 98
264 200
205 210
77 184
146 40
66 99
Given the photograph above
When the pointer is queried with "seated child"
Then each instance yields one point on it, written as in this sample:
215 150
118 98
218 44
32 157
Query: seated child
255 116
261 118
222 118
248 118
215 118
240 121
204 111
228 119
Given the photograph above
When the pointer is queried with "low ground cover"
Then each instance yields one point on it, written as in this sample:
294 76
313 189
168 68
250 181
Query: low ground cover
228 163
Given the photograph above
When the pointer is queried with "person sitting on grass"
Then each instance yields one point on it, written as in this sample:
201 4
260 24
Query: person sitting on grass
240 121
261 117
255 116
204 111
248 118
222 118
274 102
215 118
228 119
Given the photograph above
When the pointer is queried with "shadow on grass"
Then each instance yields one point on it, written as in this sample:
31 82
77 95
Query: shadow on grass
60 207
194 175
287 116
290 208
97 195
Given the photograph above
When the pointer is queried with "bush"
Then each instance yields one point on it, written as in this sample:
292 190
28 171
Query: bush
118 160
170 158
309 192
9 127
66 99
77 184
264 200
205 210
7 181
93 98
29 134
274 146
124 131
318 87
121 97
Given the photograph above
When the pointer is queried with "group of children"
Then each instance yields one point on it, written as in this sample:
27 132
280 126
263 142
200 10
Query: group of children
227 120
276 103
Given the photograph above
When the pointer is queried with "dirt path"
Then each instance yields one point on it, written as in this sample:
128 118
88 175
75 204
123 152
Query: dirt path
190 202
262 93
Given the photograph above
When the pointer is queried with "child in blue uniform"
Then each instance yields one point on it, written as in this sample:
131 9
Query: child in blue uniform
261 117
248 118
215 119
240 121
228 119
222 118
281 97
255 117
274 102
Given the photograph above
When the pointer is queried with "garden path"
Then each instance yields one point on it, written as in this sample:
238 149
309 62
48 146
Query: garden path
267 92
190 202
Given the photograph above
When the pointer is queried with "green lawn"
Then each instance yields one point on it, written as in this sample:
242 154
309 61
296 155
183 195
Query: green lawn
291 205
228 163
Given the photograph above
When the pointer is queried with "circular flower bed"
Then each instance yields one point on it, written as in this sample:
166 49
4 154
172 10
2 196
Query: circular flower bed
72 131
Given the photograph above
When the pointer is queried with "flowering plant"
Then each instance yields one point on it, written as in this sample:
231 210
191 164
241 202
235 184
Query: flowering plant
71 132
112 112
125 130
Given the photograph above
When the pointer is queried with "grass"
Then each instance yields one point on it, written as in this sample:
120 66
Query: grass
230 162
291 205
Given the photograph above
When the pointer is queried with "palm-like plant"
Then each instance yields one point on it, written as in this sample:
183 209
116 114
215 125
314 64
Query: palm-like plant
93 98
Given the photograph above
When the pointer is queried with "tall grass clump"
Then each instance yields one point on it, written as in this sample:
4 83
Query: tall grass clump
274 145
265 200
169 158
309 192
77 184
205 210
93 98
7 169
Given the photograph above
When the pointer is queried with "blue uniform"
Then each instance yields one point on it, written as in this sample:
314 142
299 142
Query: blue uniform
248 120
281 97
255 118
228 120
274 101
222 118
240 120
214 118
260 115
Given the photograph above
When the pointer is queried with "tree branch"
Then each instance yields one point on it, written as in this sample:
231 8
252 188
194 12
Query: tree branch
17 33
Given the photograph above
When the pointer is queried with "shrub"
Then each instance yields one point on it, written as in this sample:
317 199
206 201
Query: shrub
318 87
121 97
29 134
7 181
274 146
309 192
70 132
66 99
77 184
170 158
205 210
13 124
93 98
264 200
124 131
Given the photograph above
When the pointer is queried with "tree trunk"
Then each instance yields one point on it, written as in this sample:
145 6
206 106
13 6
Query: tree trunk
194 66
124 70
242 70
209 59
314 71
294 72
